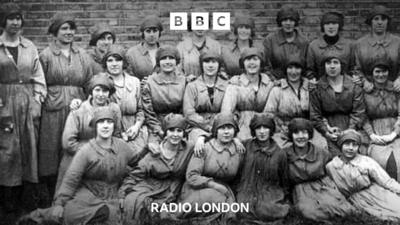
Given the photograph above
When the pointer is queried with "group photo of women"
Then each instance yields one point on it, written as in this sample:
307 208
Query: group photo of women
288 127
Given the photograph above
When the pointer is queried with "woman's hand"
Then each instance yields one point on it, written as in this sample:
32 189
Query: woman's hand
132 132
389 137
368 86
396 85
357 79
199 146
121 203
312 84
333 133
219 187
376 139
154 148
190 78
57 212
239 146
75 104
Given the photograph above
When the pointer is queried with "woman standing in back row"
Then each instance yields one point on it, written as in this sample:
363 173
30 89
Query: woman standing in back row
286 41
22 91
67 70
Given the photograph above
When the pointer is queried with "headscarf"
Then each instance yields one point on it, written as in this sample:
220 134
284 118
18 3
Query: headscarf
248 52
221 120
59 19
7 10
98 31
101 79
349 135
262 119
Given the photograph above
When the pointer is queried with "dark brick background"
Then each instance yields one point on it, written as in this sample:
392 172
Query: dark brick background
126 15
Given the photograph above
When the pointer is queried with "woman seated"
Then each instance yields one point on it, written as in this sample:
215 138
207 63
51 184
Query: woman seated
336 103
291 99
89 191
263 181
77 130
163 92
247 93
203 97
315 195
127 95
209 175
363 181
382 124
157 178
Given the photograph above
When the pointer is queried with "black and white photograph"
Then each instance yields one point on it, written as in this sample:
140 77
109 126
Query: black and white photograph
203 112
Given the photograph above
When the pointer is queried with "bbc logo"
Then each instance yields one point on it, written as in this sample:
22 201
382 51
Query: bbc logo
200 21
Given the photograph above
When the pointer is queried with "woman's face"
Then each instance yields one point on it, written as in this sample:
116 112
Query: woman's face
65 34
114 65
199 33
252 65
174 135
13 24
379 24
293 73
380 75
104 128
225 133
350 149
331 29
300 138
151 35
333 67
210 67
104 42
167 64
288 25
244 32
100 95
263 133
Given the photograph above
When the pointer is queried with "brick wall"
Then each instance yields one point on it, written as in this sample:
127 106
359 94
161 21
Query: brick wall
126 15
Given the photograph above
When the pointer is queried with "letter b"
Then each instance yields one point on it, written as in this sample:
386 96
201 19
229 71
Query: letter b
178 21
200 21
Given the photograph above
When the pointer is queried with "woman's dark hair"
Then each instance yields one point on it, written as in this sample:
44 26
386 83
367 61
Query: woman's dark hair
262 119
299 124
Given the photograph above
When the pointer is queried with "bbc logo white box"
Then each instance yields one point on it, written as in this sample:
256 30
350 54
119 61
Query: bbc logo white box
221 21
200 21
178 21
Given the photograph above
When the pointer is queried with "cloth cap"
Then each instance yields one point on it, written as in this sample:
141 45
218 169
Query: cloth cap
332 55
332 17
248 52
295 59
99 30
8 9
262 119
167 50
221 120
174 121
244 20
210 55
151 21
287 12
102 79
100 113
377 10
114 50
381 62
349 135
59 19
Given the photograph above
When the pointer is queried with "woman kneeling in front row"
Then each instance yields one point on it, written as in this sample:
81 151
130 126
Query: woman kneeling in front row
89 191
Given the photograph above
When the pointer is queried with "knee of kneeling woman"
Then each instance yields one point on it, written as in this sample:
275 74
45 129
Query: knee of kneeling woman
101 215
